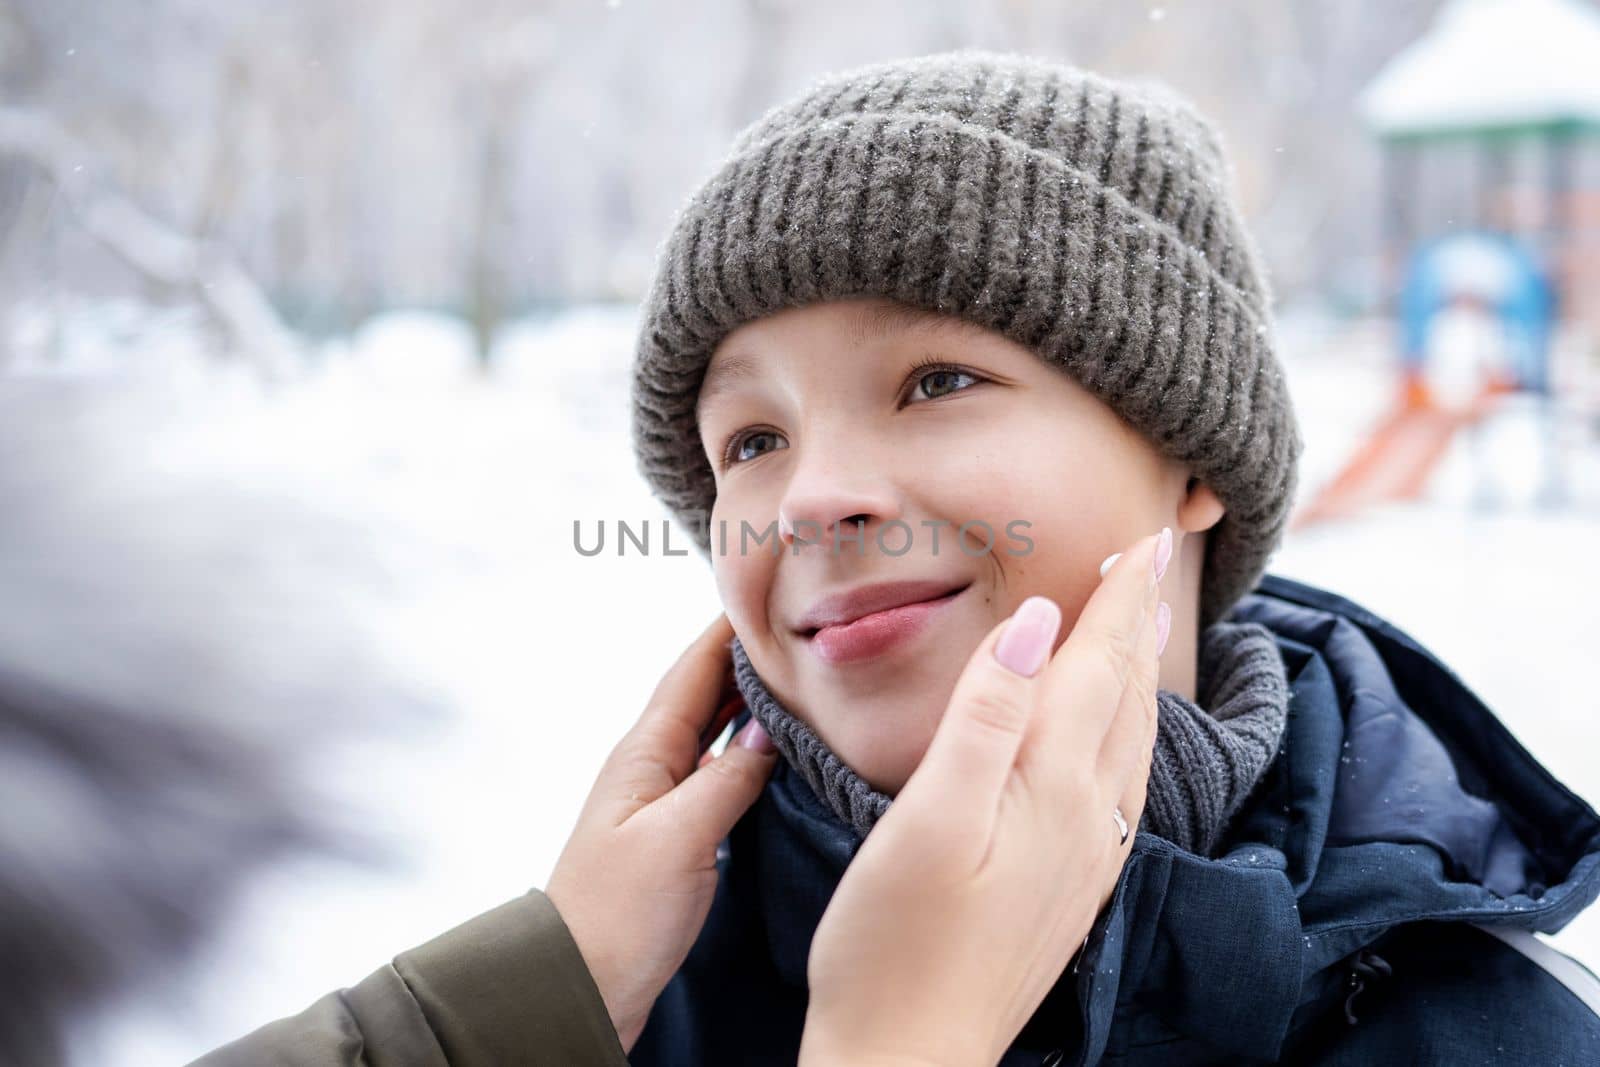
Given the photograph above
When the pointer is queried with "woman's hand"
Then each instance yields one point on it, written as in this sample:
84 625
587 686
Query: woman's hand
985 875
636 879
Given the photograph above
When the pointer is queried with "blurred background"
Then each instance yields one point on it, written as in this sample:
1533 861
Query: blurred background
315 323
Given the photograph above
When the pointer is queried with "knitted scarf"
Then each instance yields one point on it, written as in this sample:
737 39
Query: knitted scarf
1202 770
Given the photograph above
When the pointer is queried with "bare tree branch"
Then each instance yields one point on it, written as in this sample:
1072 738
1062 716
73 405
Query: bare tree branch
207 273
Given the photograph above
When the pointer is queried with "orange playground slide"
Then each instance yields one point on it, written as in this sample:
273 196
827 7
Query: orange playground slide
1401 452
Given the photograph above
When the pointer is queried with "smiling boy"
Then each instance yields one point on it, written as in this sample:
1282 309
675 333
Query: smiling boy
834 412
976 292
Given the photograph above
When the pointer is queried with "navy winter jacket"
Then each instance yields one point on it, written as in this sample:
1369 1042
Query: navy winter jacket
1372 904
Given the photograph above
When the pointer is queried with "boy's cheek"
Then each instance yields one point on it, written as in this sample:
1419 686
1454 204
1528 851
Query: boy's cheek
733 589
744 585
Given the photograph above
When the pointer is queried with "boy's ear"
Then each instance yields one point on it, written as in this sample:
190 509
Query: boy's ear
1200 509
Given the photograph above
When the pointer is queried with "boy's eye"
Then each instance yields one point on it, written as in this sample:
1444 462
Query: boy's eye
940 381
936 380
746 446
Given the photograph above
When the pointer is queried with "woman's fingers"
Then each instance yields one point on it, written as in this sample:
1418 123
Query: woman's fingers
704 807
1124 764
687 695
731 702
732 705
663 746
1136 791
1083 684
975 746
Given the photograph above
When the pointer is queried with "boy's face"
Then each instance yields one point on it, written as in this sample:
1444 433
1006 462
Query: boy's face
862 467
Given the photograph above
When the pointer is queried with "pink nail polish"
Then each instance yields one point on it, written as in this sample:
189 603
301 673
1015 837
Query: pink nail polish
1163 625
1025 644
1163 551
754 736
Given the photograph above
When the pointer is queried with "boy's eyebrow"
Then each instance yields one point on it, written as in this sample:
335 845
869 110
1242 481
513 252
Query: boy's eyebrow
876 321
871 323
723 377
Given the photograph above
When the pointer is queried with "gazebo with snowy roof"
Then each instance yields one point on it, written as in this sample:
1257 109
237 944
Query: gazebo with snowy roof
1491 120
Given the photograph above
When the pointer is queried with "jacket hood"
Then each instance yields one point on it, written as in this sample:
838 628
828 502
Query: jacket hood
1396 796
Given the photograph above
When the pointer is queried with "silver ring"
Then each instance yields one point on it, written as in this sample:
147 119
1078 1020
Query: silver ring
1122 824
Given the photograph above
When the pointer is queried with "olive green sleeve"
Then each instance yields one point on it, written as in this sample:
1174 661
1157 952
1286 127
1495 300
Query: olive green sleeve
509 986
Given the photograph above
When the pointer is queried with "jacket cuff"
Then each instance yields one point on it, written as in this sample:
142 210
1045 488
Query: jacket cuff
510 986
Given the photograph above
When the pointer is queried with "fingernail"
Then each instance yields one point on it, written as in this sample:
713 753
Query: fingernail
1163 551
754 736
1163 625
1025 644
1109 561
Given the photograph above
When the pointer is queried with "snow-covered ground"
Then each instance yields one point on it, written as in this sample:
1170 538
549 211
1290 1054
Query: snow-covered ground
458 492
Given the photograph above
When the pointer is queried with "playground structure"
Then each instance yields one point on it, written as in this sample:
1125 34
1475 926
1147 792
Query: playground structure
1488 129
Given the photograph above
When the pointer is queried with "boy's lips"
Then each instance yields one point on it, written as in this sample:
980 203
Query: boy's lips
867 621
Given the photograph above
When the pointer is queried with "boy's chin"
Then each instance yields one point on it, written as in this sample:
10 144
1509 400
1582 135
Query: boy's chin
882 738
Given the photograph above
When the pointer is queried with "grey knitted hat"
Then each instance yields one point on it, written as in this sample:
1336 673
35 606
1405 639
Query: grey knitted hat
1090 220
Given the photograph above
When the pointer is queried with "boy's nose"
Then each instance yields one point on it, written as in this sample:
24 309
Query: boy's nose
823 502
817 532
